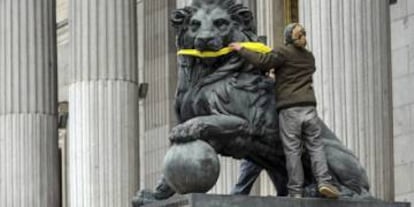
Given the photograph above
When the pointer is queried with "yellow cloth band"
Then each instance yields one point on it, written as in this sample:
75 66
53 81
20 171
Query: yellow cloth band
252 46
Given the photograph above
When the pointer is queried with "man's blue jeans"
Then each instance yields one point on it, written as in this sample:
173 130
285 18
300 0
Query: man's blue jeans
249 172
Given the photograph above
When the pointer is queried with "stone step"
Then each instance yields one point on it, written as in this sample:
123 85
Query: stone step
207 200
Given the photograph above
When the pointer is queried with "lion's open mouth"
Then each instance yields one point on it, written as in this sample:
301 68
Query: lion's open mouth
253 46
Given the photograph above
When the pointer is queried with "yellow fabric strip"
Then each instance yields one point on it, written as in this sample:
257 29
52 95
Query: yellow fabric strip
252 46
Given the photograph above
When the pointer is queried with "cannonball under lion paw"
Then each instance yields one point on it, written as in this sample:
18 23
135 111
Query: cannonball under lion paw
191 167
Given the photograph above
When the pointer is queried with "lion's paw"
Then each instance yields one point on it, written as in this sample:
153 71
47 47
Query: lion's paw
187 132
143 197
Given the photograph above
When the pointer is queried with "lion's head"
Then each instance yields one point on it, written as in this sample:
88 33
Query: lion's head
209 25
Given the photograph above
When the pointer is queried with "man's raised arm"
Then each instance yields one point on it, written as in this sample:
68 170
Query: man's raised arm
265 62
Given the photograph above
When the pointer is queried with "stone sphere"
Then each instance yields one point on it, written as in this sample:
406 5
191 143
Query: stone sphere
191 167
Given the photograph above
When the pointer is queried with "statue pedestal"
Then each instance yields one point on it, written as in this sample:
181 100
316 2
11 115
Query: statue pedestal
203 200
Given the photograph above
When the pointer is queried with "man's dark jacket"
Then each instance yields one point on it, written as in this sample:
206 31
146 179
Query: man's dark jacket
294 68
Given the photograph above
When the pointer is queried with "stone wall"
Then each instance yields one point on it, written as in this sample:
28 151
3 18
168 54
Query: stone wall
402 35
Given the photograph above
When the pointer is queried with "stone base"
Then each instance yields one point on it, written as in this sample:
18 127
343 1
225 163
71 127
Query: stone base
203 200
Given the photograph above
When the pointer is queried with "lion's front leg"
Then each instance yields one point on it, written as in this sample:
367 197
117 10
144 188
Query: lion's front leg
205 127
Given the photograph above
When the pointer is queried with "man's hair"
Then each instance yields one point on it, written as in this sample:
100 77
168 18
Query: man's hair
288 33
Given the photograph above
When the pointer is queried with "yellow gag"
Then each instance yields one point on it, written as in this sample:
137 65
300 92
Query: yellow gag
252 46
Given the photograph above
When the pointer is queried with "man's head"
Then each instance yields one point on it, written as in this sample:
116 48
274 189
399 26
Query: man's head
295 34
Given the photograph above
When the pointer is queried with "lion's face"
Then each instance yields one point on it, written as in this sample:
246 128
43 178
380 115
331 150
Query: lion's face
210 26
211 29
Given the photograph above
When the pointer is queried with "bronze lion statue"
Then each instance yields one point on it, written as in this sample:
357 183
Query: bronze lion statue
229 104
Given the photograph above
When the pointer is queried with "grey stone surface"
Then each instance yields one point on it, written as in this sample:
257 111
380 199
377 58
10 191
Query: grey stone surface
403 173
405 197
404 150
411 58
402 31
399 10
200 200
410 7
402 122
403 90
400 61
403 70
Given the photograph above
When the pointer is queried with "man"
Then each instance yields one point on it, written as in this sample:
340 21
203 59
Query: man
296 104
249 172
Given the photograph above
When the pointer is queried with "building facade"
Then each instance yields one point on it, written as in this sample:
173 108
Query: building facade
106 50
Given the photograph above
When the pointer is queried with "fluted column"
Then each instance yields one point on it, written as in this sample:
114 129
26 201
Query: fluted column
229 171
271 20
183 3
103 104
351 43
29 165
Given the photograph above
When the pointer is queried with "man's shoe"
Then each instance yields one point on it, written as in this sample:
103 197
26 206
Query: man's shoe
328 190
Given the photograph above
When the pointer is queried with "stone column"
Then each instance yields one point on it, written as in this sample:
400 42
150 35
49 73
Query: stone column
351 43
271 21
103 104
29 165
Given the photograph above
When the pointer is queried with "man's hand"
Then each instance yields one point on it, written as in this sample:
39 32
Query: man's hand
271 74
235 46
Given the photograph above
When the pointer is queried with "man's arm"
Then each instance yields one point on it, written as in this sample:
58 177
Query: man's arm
263 61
